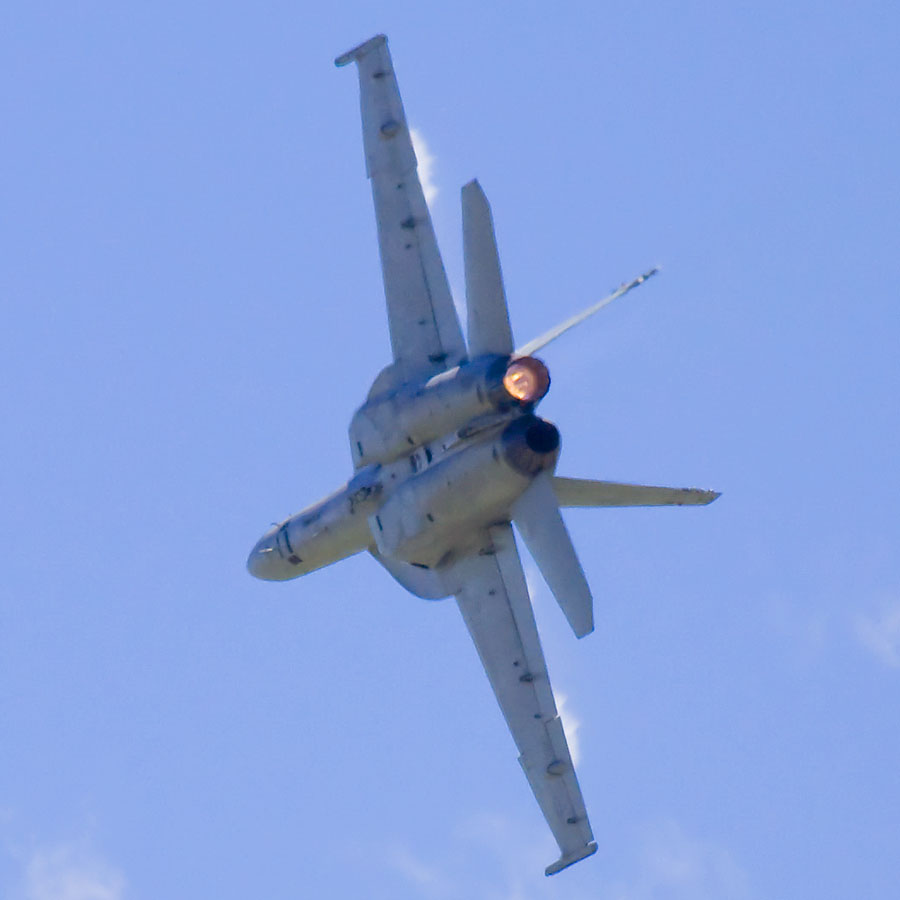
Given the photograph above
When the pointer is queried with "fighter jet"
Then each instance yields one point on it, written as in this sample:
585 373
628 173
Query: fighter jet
448 454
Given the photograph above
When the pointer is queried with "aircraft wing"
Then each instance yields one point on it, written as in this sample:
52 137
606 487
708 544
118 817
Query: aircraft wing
425 333
493 598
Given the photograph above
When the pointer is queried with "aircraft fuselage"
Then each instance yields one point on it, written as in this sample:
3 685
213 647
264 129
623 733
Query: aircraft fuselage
429 492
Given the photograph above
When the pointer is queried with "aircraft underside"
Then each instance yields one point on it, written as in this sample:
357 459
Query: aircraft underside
449 453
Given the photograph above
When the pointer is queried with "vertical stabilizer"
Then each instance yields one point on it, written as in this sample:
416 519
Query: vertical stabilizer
536 515
488 318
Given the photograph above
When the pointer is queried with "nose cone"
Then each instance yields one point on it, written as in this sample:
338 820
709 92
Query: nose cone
265 560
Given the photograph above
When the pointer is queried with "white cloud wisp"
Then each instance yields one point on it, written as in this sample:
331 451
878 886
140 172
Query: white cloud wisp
880 634
426 165
69 872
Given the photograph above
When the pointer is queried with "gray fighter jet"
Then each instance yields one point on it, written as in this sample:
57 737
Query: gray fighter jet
449 454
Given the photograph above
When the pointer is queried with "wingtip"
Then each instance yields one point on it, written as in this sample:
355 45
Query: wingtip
360 50
571 858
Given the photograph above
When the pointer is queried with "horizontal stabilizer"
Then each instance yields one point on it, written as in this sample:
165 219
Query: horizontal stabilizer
585 492
536 515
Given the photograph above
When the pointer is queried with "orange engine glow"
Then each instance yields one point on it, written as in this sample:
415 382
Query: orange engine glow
526 380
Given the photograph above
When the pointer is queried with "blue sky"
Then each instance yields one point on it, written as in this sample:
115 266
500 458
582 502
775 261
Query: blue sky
193 309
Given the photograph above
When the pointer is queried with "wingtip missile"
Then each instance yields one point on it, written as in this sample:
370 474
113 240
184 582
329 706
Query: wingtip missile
641 278
577 319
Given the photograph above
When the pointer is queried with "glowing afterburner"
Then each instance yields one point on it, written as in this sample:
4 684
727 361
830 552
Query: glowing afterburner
526 380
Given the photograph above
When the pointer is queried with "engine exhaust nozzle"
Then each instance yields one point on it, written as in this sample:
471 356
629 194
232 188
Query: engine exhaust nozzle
531 445
526 380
